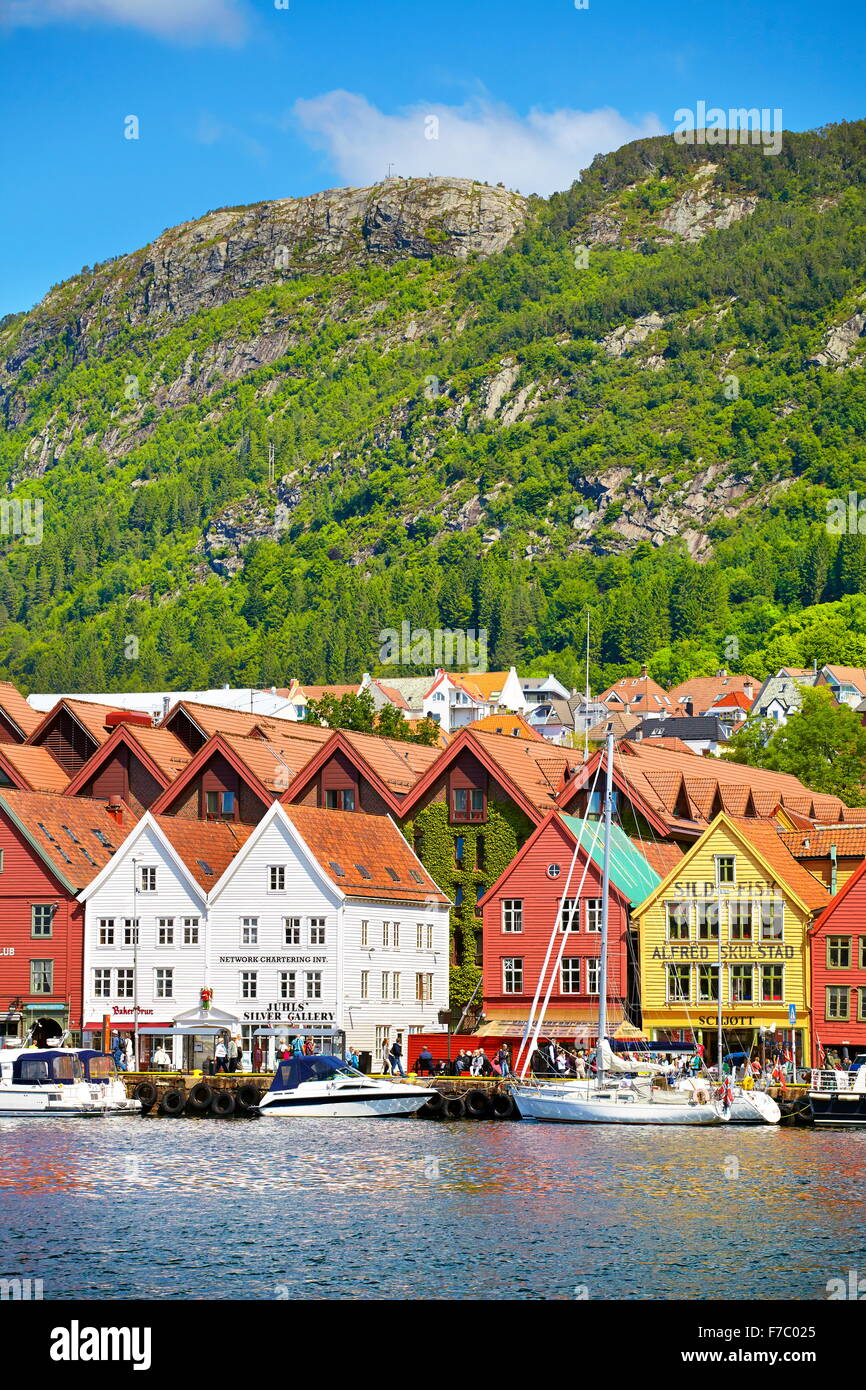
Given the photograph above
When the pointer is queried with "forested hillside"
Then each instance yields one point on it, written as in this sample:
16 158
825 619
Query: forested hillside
636 397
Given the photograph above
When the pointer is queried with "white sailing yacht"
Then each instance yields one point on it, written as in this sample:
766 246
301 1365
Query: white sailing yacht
617 1101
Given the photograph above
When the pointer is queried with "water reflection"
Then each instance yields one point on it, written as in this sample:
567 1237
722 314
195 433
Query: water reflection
242 1209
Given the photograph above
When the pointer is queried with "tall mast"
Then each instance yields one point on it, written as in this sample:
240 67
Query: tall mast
586 702
719 989
605 893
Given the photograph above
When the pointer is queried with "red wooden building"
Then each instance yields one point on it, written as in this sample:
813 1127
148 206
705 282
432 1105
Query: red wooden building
520 911
838 970
50 848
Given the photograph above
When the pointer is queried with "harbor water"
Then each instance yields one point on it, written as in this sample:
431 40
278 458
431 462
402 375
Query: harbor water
401 1209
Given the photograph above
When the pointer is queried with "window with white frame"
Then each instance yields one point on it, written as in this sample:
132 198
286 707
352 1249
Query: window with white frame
593 914
708 984
124 984
569 917
292 931
512 975
571 975
592 974
190 931
249 931
317 931
429 936
772 917
365 984
130 931
726 868
395 935
386 984
365 933
164 983
512 915
165 931
249 984
105 936
276 878
386 933
423 987
679 982
742 984
395 984
147 878
314 984
288 984
102 984
678 916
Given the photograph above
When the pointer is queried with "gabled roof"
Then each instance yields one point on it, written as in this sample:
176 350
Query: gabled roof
631 876
317 692
661 855
90 716
638 692
223 745
697 726
482 686
391 766
215 719
706 691
159 750
30 767
365 856
75 836
276 761
761 838
847 675
206 847
16 709
532 772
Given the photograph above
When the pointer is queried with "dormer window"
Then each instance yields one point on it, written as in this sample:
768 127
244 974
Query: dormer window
147 878
467 804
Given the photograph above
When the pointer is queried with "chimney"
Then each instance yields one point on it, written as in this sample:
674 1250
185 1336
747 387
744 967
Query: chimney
748 690
166 705
638 733
722 675
115 808
643 673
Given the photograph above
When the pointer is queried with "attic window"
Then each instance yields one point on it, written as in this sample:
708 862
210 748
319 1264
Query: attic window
364 872
103 840
392 873
74 838
415 874
341 873
88 857
204 866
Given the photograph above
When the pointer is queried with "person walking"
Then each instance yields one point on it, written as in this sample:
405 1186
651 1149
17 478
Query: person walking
258 1056
395 1057
129 1053
232 1055
220 1055
119 1055
386 1058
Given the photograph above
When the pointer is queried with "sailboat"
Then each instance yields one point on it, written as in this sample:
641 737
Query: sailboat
617 1101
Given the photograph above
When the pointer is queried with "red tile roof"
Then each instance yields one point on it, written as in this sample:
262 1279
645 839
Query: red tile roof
75 835
206 847
769 843
13 704
536 768
32 768
397 762
357 851
88 714
276 761
514 725
849 841
661 855
705 691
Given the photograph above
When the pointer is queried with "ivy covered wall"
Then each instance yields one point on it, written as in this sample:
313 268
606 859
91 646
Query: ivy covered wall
488 849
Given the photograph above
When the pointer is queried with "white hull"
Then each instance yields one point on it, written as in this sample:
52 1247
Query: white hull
561 1105
26 1102
322 1100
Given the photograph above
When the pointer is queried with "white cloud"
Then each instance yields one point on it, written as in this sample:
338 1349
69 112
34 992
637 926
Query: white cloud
537 153
217 21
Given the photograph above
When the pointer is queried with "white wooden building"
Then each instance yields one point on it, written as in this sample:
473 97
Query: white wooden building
312 919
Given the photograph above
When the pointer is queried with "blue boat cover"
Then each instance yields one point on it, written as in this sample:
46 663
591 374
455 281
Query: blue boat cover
295 1070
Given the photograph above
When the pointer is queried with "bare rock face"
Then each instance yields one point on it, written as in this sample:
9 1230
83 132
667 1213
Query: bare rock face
625 337
839 342
203 264
700 210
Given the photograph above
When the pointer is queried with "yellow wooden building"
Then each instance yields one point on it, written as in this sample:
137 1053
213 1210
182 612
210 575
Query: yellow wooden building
737 895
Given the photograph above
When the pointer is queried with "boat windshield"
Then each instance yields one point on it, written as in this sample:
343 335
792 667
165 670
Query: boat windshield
294 1071
63 1067
101 1068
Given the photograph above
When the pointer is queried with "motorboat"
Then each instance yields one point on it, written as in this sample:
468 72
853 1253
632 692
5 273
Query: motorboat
839 1098
37 1081
106 1083
327 1087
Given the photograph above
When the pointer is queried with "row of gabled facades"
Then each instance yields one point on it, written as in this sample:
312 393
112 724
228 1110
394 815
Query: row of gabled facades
285 874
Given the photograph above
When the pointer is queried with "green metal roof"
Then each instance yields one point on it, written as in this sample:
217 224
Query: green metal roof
629 871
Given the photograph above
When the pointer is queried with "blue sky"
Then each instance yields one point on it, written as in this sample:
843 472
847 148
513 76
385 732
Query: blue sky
242 100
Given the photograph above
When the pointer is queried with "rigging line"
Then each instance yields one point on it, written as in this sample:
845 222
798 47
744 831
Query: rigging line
531 1019
565 934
